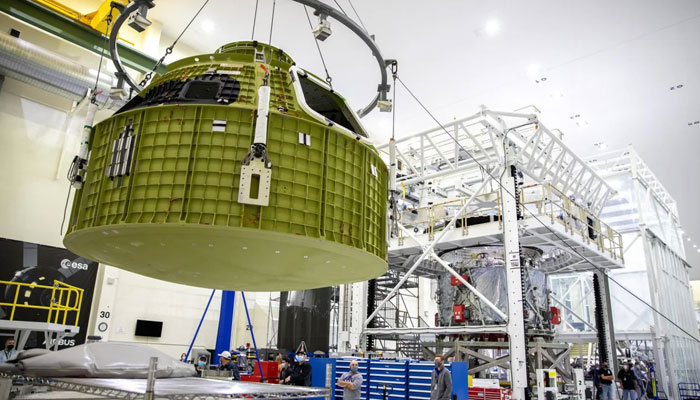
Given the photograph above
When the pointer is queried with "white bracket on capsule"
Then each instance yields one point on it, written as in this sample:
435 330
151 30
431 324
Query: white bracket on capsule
256 168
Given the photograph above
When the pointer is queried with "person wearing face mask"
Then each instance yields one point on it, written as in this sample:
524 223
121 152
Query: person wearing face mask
628 382
351 382
301 372
9 353
285 369
441 381
606 380
640 374
201 365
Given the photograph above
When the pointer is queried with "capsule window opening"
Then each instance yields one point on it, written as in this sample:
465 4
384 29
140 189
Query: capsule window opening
330 105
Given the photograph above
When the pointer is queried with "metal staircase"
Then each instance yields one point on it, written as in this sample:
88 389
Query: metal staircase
396 314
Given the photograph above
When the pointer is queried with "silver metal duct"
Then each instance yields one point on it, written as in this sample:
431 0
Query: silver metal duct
32 64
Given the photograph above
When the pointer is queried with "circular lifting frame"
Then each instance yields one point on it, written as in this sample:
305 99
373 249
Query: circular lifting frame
321 9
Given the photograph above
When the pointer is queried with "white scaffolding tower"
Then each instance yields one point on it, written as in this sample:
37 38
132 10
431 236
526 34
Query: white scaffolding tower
448 174
647 216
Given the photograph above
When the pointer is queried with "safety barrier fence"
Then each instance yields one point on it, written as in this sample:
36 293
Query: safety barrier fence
61 301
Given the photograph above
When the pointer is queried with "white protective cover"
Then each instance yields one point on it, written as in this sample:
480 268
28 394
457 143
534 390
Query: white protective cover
102 360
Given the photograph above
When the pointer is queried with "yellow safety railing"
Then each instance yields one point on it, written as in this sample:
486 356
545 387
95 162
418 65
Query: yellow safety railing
541 200
64 301
577 220
433 218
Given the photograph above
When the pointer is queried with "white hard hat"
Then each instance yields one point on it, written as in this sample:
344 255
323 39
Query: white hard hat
225 354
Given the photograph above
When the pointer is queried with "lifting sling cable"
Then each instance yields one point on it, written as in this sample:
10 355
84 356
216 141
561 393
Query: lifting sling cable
323 61
169 50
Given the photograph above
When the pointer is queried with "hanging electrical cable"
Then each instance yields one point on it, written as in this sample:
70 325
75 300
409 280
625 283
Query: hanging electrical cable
255 19
169 50
329 80
556 235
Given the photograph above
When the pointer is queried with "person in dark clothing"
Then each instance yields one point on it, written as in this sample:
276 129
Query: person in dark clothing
595 375
225 364
606 379
628 381
201 365
285 369
301 372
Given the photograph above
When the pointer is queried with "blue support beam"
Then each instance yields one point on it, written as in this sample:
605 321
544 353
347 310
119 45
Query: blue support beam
223 334
204 314
255 346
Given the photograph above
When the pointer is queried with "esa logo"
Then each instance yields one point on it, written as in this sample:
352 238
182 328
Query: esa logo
74 265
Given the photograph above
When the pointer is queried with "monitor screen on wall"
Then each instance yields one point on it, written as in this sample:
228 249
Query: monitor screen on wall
148 328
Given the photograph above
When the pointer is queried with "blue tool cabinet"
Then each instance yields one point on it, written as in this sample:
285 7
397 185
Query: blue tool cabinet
404 379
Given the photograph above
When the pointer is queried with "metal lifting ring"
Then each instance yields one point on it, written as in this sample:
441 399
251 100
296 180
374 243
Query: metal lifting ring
321 8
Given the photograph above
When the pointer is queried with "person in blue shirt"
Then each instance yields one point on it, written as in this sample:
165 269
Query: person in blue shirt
225 364
640 374
9 353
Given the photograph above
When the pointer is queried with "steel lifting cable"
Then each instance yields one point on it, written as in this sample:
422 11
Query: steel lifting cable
272 22
559 238
93 98
255 19
169 50
340 7
358 15
329 80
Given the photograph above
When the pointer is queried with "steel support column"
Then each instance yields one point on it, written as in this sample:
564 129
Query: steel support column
223 334
516 321
606 333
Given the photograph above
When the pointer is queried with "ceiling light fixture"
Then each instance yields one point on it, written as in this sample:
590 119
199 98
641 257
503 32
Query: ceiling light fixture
492 27
533 70
556 95
208 26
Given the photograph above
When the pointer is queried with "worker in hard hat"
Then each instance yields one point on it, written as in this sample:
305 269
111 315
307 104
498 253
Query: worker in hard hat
225 364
